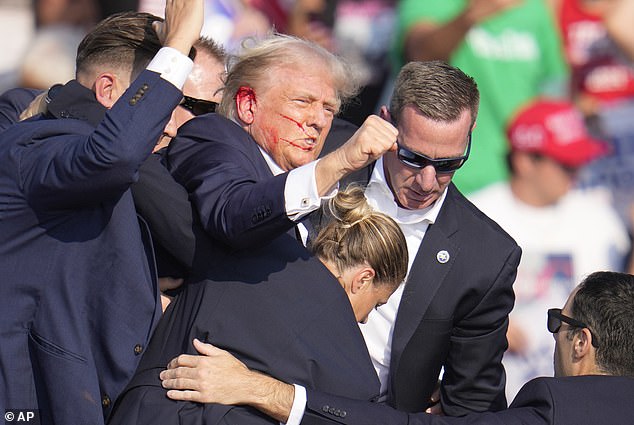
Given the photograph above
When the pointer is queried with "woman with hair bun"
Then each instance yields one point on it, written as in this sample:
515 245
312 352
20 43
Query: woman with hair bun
364 249
291 315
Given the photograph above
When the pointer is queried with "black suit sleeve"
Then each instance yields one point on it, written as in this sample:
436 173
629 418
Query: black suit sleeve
532 407
164 205
239 201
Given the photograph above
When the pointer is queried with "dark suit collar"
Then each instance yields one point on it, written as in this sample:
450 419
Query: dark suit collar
73 100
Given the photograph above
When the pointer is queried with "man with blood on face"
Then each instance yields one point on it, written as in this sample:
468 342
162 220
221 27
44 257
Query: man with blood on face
252 170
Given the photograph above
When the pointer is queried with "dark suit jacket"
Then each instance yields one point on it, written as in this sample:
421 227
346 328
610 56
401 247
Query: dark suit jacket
161 202
272 304
455 314
164 205
240 203
279 310
578 400
452 314
78 297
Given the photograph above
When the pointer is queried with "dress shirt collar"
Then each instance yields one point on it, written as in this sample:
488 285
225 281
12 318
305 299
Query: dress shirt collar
275 169
380 197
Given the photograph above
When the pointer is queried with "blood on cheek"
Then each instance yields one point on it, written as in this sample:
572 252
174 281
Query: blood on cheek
247 93
298 124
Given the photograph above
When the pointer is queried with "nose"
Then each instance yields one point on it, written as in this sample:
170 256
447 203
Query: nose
171 128
426 178
318 117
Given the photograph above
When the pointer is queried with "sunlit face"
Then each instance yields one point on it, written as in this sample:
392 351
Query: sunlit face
563 357
420 188
293 114
203 82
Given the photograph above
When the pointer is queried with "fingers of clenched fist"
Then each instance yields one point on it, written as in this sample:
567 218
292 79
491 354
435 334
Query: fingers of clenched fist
375 137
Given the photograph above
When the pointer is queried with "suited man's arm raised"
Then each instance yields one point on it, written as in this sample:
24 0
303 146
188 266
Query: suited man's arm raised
79 169
375 137
242 205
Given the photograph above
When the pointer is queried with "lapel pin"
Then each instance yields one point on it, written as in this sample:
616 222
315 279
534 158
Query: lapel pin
442 256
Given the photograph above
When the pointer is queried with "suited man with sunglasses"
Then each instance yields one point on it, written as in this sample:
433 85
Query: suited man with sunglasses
452 311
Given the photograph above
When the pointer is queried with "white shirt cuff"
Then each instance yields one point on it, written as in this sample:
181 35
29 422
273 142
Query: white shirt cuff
299 406
300 193
173 66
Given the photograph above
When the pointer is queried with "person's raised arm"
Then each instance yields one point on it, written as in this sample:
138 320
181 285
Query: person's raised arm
427 40
182 25
375 137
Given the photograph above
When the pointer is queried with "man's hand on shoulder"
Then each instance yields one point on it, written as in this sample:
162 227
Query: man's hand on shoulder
216 376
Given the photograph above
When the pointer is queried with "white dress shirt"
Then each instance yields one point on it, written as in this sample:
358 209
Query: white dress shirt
300 192
414 223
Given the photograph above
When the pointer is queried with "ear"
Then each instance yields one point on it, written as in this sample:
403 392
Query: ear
582 343
246 104
105 88
385 114
362 279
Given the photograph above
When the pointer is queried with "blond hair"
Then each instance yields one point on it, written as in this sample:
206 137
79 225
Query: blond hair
357 234
256 64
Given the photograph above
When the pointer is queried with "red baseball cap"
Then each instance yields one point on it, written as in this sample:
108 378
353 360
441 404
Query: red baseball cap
554 129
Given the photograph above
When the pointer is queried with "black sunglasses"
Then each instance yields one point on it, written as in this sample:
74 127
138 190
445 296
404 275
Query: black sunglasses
555 318
442 165
198 106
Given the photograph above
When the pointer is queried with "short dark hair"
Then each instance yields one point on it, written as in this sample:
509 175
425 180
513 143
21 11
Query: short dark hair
124 40
438 90
209 46
605 302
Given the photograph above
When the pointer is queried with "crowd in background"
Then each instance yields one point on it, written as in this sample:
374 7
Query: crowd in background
568 202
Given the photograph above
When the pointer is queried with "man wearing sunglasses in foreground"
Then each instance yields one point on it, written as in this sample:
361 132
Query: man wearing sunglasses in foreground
593 383
452 313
